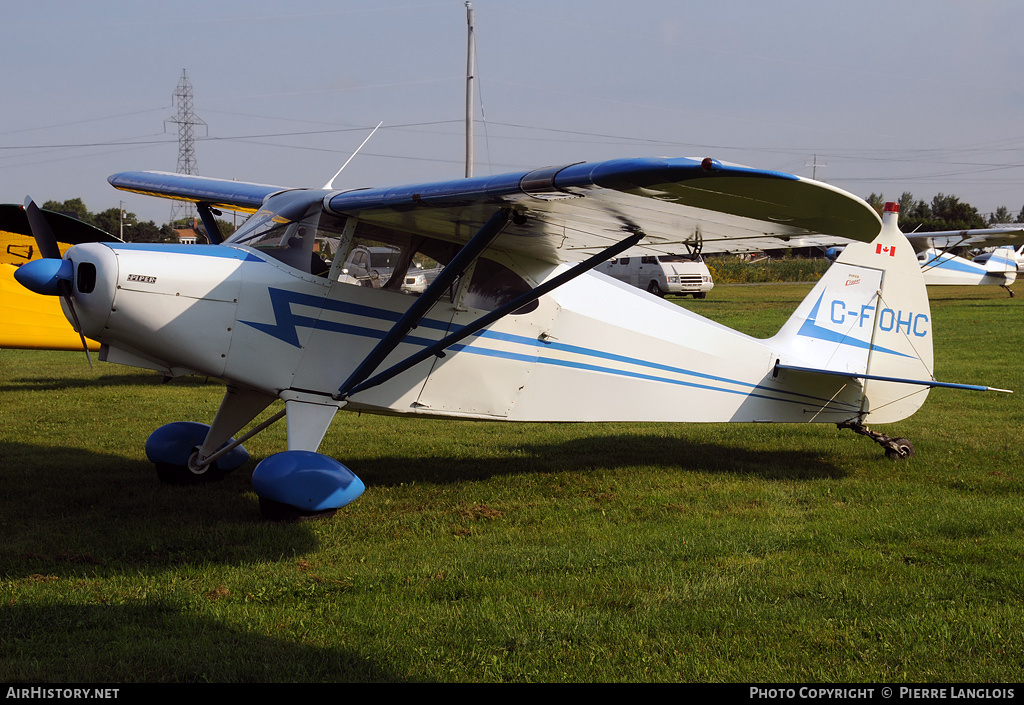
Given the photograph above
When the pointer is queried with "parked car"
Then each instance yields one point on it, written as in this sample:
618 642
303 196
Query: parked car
372 266
418 279
663 274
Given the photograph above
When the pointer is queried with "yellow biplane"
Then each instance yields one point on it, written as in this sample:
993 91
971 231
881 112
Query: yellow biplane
27 319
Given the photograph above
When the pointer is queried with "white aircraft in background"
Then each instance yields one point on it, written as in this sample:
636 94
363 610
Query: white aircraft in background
1016 255
943 268
515 327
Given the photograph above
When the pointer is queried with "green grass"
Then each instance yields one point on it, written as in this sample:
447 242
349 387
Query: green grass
729 269
510 553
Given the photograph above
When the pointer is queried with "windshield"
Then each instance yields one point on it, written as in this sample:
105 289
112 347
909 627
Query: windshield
291 227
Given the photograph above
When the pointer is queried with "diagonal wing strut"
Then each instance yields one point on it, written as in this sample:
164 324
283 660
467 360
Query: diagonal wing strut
351 387
466 256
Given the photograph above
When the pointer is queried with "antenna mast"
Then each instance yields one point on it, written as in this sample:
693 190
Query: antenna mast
187 122
470 71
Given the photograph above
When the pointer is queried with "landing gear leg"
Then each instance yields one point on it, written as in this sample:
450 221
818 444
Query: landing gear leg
895 448
1008 289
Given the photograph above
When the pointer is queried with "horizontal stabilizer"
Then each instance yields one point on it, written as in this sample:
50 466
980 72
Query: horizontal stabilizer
901 380
1001 260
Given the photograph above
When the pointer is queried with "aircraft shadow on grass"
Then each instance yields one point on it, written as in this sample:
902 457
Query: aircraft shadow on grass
600 452
74 494
103 513
52 384
156 642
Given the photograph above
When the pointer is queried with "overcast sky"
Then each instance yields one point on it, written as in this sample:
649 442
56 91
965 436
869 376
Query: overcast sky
886 96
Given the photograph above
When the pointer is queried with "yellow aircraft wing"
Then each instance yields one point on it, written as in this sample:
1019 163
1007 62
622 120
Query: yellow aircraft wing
29 320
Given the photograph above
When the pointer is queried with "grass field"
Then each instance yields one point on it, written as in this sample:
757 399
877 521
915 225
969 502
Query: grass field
510 553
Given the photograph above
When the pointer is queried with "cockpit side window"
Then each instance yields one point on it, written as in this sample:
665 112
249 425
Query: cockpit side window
493 285
294 229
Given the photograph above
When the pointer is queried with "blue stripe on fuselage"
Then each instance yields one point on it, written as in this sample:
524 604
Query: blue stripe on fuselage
286 324
175 249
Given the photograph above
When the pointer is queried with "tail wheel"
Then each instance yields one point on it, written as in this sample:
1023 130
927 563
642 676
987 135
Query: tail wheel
899 449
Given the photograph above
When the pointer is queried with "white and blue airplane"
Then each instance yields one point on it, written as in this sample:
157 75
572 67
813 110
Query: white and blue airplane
943 268
516 326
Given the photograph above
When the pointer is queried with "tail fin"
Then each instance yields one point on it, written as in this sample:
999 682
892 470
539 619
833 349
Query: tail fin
1003 261
868 319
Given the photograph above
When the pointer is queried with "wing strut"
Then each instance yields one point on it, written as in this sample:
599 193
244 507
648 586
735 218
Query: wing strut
209 222
466 256
486 320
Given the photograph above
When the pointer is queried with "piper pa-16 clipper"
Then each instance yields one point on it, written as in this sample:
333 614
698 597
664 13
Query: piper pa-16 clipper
515 326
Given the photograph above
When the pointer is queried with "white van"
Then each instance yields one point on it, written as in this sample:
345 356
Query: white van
664 274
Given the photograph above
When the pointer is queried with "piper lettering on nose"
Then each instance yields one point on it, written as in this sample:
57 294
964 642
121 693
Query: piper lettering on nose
141 278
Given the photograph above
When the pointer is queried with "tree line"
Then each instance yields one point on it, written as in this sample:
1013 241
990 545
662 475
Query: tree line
113 222
944 213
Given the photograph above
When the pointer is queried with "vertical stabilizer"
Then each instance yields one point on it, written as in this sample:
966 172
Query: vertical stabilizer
1003 261
868 316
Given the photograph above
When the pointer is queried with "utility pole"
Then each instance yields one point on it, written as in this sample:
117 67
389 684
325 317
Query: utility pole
470 71
186 121
815 165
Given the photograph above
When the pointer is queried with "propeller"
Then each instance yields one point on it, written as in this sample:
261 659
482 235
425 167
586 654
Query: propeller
52 275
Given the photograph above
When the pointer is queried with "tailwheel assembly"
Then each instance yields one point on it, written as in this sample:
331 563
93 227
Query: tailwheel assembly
895 448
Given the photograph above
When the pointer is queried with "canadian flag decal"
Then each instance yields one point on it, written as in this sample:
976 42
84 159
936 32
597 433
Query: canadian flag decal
891 250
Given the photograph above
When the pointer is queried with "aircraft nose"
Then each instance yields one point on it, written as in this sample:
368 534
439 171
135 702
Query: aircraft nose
93 285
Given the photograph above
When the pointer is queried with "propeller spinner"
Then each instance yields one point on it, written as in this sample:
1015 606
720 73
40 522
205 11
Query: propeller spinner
51 275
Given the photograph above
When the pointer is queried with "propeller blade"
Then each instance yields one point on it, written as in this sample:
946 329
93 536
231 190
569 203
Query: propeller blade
62 276
78 326
46 241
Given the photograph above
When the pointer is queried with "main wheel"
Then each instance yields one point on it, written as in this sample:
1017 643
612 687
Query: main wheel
296 485
191 474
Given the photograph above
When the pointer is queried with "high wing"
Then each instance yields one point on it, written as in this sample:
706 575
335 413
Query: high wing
567 213
217 193
981 237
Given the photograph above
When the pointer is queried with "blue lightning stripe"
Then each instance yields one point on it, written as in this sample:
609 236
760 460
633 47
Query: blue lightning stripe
285 328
